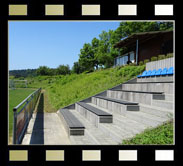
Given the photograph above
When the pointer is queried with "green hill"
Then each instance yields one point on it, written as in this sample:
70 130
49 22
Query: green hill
64 90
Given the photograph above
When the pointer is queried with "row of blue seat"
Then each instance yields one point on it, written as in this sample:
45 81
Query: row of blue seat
158 72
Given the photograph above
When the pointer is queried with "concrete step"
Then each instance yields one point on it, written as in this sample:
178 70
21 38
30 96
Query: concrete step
141 117
145 118
125 122
93 114
169 97
115 132
163 104
156 79
135 96
157 111
93 133
80 140
115 105
149 87
127 127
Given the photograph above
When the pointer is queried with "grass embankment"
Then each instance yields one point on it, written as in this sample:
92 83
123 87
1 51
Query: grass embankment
15 97
162 135
65 90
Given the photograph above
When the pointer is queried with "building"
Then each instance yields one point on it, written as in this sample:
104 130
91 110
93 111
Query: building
141 46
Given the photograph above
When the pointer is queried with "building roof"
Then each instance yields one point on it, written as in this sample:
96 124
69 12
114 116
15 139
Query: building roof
143 36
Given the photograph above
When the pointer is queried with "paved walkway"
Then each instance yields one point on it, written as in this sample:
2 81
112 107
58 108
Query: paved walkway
45 128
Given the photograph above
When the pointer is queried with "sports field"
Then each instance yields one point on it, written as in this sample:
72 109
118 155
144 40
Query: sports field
15 97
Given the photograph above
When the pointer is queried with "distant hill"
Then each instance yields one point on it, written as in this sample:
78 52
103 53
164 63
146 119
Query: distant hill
23 73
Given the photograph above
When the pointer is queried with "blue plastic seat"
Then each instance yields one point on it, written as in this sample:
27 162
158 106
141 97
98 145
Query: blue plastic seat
170 71
158 72
148 73
164 72
153 73
141 74
144 74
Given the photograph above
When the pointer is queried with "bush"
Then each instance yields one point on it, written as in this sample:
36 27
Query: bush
146 60
154 58
169 55
161 57
132 64
141 63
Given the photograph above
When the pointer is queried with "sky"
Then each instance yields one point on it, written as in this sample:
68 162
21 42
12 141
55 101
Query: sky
37 43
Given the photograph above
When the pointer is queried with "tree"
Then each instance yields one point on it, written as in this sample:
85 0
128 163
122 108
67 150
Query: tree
95 44
63 69
86 58
42 70
101 52
76 68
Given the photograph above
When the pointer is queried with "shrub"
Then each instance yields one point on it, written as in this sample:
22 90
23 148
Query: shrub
154 58
169 55
132 64
146 60
161 57
141 63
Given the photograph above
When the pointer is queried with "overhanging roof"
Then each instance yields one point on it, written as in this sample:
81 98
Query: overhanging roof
143 36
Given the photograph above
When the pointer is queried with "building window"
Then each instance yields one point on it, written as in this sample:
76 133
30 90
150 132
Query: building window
132 57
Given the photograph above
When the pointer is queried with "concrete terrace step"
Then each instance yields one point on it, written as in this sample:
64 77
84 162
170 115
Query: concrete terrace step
166 87
137 91
163 104
140 120
80 140
117 101
96 135
115 104
92 113
141 117
169 97
115 132
136 96
125 127
72 125
157 111
124 122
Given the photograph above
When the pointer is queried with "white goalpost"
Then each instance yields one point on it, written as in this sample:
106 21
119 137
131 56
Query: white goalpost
17 84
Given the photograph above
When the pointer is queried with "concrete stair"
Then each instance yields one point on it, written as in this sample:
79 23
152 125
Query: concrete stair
134 106
93 134
163 104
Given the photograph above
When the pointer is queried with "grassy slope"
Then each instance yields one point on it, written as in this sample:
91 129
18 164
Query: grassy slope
15 97
65 90
162 135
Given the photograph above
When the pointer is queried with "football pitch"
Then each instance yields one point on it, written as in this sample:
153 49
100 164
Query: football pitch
16 96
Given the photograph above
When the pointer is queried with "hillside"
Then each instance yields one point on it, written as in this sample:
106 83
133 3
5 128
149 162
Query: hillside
64 90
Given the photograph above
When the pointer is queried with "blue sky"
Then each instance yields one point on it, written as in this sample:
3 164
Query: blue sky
34 43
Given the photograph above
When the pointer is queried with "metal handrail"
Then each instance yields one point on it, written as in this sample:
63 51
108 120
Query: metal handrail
28 100
20 104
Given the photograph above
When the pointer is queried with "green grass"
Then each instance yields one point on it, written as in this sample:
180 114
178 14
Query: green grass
162 135
15 97
65 90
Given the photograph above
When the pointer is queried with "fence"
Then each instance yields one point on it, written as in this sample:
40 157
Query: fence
22 115
169 62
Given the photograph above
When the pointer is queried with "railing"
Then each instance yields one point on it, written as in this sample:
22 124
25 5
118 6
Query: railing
22 115
169 62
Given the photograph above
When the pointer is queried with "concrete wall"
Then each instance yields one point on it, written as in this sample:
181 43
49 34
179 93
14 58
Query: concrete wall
150 87
94 119
169 62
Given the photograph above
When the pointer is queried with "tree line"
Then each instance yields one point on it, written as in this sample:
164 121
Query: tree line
100 52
